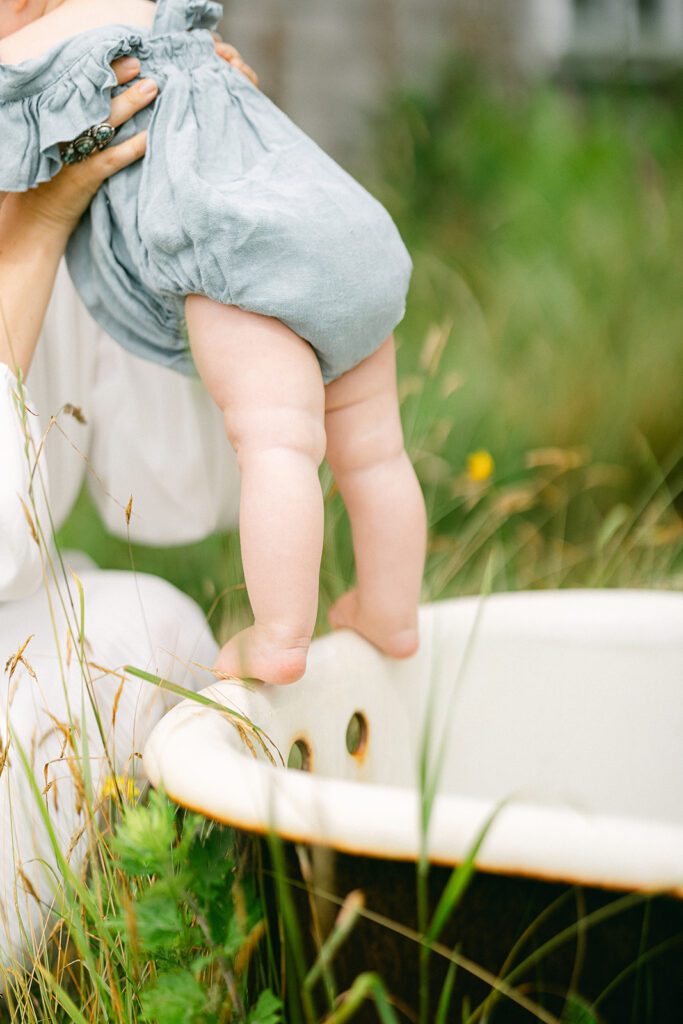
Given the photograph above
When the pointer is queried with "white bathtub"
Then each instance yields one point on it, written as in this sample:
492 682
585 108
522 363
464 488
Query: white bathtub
569 703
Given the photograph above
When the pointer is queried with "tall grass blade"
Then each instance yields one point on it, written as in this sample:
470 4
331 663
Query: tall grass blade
62 997
577 1011
430 777
292 934
199 698
346 921
446 995
366 986
449 955
643 958
619 905
460 879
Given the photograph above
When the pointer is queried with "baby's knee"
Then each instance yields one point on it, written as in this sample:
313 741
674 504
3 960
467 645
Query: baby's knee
298 430
373 445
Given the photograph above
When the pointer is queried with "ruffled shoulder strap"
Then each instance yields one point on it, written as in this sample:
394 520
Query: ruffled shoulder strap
181 15
50 100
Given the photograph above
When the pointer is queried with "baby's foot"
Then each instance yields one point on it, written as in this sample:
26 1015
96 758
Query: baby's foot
262 653
397 642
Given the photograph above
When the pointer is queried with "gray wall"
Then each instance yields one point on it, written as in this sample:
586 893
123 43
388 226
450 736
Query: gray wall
328 63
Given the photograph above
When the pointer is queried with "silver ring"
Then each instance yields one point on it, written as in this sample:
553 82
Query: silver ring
91 141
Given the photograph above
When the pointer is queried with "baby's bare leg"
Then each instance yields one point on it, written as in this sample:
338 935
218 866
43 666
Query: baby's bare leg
366 453
268 384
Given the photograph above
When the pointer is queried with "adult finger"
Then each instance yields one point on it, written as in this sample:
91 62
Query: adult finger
232 55
87 176
242 66
132 100
226 50
126 69
114 158
246 70
62 201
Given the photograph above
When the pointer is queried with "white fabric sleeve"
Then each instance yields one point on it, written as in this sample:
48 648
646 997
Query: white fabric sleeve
156 435
150 433
20 565
130 619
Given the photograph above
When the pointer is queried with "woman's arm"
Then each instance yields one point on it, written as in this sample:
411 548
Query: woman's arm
34 229
35 226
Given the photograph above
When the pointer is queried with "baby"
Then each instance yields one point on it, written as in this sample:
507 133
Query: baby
237 247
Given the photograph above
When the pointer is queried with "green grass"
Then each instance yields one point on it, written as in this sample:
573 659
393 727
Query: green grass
544 328
546 228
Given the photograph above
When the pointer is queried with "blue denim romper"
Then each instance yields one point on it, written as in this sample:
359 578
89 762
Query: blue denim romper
232 200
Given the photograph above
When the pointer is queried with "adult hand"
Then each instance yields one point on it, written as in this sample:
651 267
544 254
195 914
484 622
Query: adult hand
228 52
35 226
62 201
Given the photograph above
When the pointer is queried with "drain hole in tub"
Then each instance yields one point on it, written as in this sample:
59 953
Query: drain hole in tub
357 734
300 756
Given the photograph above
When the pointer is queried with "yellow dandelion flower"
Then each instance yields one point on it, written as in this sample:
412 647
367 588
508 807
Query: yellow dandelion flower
480 466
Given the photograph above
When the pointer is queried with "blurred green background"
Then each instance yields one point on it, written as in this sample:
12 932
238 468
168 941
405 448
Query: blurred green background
541 196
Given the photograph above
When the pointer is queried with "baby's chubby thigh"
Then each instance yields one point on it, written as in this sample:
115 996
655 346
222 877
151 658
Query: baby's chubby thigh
265 378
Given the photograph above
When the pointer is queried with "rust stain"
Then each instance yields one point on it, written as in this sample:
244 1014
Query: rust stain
303 739
361 755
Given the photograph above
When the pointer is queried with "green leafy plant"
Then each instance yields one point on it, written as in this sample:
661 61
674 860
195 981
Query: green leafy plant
191 915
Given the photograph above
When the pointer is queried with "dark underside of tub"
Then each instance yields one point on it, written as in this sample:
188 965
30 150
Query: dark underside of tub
641 945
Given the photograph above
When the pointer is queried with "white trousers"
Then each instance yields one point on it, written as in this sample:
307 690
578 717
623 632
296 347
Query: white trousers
50 703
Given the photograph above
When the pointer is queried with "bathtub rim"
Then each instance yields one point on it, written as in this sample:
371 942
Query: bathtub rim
545 842
558 843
